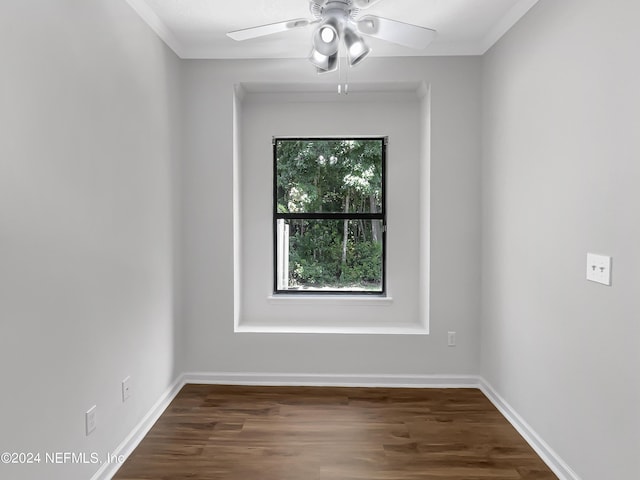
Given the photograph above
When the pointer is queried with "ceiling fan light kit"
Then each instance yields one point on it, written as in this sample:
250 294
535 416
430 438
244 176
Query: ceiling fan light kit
324 63
335 18
326 39
339 22
357 49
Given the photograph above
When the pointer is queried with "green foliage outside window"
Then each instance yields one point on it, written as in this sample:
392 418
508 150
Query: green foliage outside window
341 176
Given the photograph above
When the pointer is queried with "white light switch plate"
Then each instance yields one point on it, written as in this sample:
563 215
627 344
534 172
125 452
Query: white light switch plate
126 389
599 268
90 420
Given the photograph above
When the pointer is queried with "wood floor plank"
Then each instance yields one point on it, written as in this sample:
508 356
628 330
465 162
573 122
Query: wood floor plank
318 433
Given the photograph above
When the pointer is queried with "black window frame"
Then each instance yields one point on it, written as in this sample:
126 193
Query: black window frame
381 216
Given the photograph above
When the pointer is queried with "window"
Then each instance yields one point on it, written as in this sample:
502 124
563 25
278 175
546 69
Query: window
329 220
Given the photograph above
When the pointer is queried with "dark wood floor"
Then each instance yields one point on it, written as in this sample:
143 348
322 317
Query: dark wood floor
283 433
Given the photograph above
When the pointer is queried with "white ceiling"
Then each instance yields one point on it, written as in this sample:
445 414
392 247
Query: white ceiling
197 28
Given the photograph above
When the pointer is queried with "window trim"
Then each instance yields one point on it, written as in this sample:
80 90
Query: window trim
382 216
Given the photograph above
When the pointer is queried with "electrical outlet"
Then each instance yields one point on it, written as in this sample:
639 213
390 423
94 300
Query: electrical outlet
451 339
599 268
126 389
90 420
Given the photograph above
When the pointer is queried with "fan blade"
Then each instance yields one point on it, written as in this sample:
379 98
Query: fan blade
364 3
262 30
401 33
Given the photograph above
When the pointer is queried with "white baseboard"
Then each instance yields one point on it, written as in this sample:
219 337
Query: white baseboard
544 451
128 445
337 380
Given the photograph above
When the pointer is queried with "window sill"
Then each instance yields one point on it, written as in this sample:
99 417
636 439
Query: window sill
329 300
356 325
386 329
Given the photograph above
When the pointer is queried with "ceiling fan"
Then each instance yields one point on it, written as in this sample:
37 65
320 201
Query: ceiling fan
340 21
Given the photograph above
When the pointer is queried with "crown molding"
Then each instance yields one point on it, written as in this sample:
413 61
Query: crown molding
505 24
147 14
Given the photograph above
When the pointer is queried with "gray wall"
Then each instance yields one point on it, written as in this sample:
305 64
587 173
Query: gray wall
560 178
89 119
208 228
101 228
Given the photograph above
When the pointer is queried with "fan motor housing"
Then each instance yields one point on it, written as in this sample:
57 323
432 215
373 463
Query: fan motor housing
342 9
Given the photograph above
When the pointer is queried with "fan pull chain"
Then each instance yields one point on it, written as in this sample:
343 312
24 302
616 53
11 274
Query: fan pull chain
342 90
346 77
339 75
